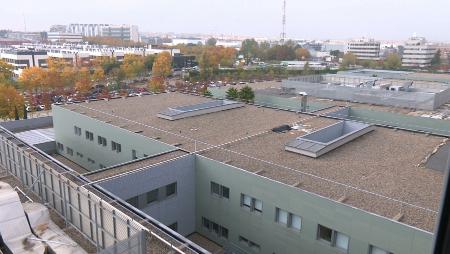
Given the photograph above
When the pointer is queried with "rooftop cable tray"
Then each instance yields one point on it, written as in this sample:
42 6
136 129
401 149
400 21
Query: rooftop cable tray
326 139
198 109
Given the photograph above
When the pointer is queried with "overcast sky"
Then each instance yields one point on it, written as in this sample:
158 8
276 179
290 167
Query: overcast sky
321 19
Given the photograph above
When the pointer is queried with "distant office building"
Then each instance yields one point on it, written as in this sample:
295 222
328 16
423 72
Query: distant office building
58 28
29 36
418 53
22 59
64 37
365 49
122 32
87 30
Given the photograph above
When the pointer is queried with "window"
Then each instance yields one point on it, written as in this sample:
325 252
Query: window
376 250
116 147
91 161
102 141
89 135
134 154
69 151
77 130
325 233
171 189
152 196
60 146
282 216
342 241
296 222
102 166
253 204
333 237
220 190
289 219
80 155
215 228
252 245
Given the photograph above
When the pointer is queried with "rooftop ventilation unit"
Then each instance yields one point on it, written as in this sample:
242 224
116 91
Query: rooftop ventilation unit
198 109
326 139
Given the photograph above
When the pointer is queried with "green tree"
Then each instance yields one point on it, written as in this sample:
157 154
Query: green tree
393 62
232 94
148 62
207 93
211 42
249 48
437 58
348 59
246 94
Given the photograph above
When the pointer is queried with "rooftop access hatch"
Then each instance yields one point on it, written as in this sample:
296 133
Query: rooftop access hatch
326 139
198 109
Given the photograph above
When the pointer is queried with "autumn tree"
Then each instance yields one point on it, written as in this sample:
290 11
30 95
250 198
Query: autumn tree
34 79
6 71
133 65
11 102
156 85
162 67
98 75
83 81
393 62
348 59
148 62
302 54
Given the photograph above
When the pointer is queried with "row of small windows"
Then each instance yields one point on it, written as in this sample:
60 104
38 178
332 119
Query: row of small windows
100 140
293 221
212 227
153 196
69 151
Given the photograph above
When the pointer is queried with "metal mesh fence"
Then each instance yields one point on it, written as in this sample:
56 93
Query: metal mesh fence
103 224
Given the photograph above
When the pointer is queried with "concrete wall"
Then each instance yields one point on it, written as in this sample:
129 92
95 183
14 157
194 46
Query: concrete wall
28 124
179 208
362 227
64 121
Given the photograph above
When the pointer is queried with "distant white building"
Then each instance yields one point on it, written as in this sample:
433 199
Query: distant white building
418 53
22 59
364 49
122 32
64 37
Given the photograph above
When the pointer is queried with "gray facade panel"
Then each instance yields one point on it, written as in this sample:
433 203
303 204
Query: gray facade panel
179 208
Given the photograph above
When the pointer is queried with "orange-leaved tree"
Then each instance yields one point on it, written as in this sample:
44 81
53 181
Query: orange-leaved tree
11 102
34 79
162 68
83 81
